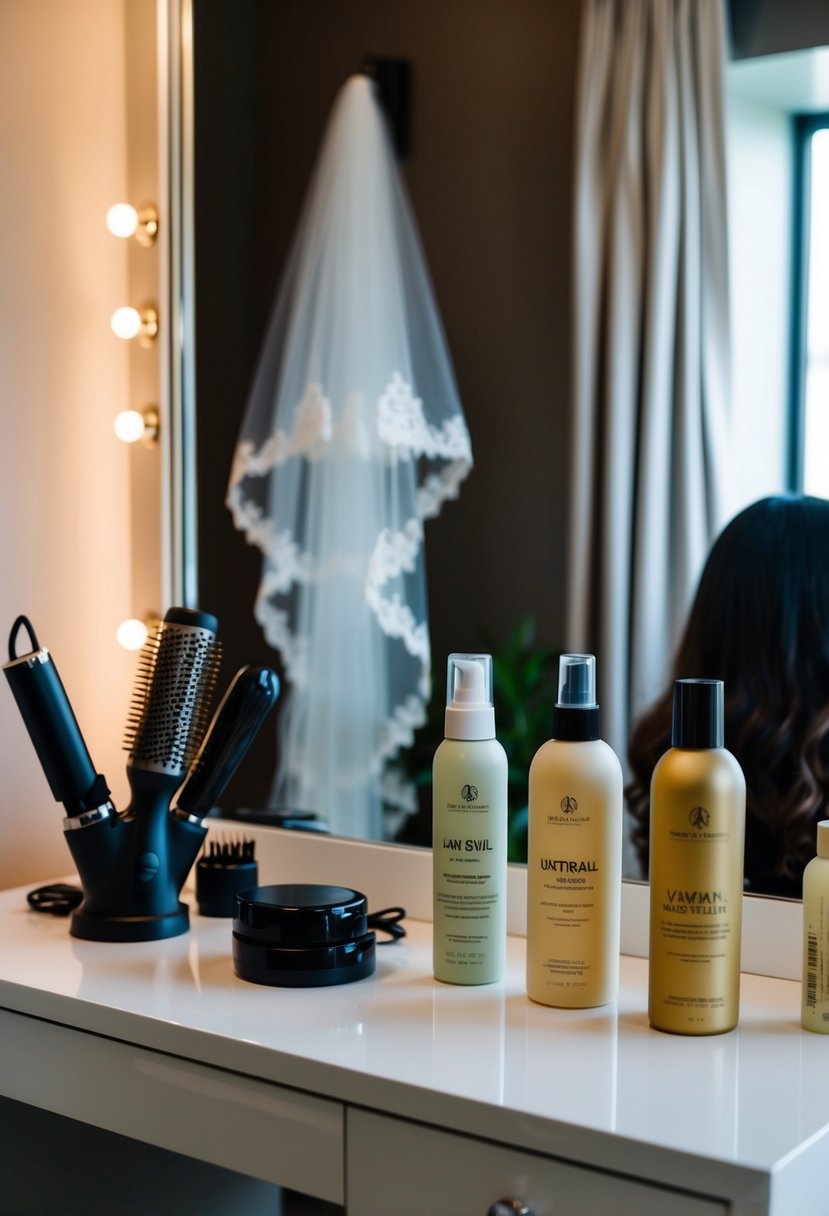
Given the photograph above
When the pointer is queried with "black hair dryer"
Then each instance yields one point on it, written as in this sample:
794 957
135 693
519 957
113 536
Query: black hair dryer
133 865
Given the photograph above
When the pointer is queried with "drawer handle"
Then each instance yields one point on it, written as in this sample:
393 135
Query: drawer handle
509 1207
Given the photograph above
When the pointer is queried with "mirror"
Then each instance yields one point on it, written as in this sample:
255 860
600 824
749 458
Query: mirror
490 177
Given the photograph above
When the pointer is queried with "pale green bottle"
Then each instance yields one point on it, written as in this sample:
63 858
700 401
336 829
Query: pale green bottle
469 831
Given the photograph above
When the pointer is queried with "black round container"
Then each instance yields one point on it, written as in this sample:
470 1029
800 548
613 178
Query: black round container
302 935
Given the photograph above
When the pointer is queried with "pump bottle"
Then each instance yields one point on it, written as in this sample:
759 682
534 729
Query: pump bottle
574 852
469 831
697 831
815 989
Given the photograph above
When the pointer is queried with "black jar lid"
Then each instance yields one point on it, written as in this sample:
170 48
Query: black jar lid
299 935
297 914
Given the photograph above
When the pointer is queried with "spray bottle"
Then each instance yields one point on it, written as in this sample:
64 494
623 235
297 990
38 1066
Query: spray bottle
469 837
574 852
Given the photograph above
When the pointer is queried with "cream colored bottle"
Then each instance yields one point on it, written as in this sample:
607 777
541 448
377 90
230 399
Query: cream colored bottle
697 831
574 852
469 831
814 1011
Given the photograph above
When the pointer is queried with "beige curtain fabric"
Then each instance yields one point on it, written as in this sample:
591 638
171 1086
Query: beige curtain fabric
651 336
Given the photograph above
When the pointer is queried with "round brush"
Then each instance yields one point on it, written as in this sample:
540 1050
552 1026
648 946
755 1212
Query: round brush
171 700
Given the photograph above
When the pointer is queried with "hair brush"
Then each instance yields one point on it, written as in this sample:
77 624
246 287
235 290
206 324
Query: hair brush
176 676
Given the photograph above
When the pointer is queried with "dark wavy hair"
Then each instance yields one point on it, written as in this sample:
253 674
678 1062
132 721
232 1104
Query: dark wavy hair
760 623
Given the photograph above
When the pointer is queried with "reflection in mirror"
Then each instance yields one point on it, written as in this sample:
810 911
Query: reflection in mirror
760 623
494 216
491 176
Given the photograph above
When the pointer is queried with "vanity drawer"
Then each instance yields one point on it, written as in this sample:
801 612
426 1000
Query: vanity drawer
396 1168
257 1128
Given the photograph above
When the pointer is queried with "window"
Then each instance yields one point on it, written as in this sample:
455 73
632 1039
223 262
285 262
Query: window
809 467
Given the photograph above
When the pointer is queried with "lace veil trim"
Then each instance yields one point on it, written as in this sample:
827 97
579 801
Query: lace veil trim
399 432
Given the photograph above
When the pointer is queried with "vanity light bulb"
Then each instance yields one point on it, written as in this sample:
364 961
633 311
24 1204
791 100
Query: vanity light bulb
125 322
129 425
132 634
122 219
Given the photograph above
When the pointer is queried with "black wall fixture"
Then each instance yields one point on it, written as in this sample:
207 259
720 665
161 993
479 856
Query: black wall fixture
393 78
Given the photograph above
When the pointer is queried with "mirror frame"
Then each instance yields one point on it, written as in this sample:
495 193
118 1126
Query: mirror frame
179 549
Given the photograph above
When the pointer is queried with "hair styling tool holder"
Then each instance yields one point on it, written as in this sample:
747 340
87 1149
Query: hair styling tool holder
133 865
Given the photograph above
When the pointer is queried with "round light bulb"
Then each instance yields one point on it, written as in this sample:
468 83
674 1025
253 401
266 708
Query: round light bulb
129 425
132 634
122 219
125 322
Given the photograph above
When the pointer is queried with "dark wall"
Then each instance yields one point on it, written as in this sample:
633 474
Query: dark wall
490 178
769 27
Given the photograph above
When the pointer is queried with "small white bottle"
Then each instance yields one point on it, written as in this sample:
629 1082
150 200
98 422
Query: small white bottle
574 852
469 831
814 1010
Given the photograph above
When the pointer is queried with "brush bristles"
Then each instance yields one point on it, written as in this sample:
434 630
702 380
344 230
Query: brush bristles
170 709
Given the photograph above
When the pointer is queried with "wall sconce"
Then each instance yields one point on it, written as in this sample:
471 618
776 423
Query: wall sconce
140 323
124 220
132 425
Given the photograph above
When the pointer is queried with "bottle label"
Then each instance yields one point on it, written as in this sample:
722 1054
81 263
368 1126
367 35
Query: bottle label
466 798
569 812
469 868
572 897
568 867
815 993
698 827
696 872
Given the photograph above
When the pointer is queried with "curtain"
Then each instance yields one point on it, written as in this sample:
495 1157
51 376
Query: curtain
651 336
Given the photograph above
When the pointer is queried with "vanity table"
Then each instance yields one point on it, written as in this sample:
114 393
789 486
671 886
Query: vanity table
399 1096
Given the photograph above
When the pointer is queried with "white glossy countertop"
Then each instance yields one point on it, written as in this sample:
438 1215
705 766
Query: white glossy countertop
597 1087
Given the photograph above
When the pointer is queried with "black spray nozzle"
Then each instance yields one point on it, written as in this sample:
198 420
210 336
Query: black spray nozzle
52 725
576 713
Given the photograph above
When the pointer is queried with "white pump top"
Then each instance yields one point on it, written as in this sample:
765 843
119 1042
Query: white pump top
470 713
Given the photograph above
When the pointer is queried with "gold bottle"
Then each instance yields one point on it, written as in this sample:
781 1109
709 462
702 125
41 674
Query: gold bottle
697 829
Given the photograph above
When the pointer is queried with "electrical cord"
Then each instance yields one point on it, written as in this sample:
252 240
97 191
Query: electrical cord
59 898
387 920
